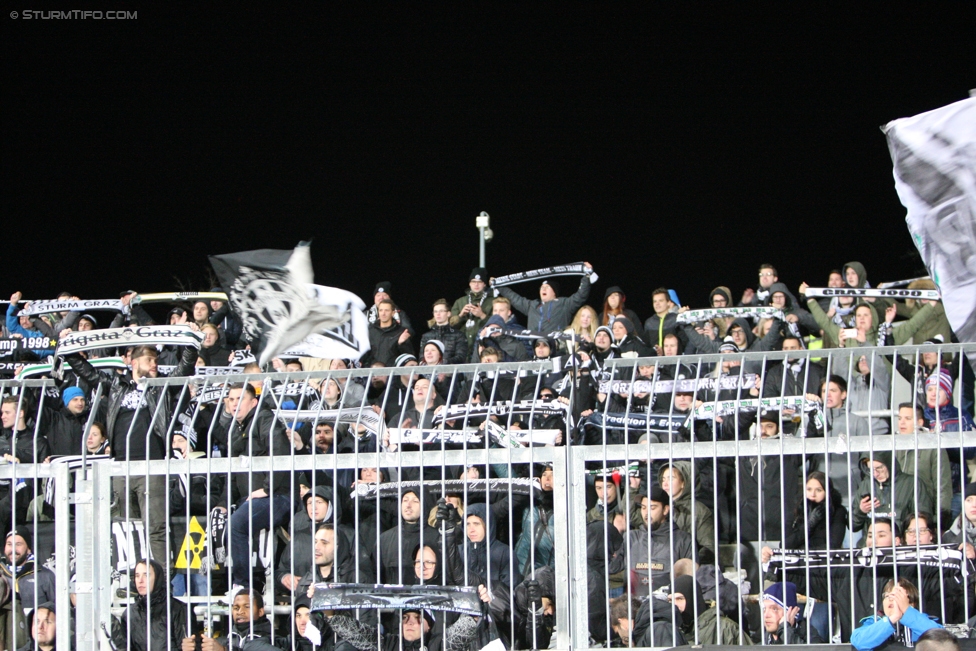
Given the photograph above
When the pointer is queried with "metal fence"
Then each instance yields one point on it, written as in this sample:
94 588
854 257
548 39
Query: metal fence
733 441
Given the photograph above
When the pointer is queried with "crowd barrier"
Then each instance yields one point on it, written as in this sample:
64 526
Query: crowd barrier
734 512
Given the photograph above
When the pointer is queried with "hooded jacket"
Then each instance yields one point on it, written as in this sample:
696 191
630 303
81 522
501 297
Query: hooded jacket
166 629
632 345
666 630
553 316
249 636
701 524
772 480
647 577
471 325
897 493
296 558
396 545
488 559
29 580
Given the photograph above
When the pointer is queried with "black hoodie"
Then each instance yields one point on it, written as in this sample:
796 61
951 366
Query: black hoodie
167 619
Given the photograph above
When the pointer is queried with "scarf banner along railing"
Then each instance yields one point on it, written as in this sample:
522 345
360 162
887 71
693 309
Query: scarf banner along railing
49 307
174 335
944 556
709 410
654 423
709 313
518 486
525 407
179 297
864 292
103 363
365 417
347 596
723 383
574 269
505 438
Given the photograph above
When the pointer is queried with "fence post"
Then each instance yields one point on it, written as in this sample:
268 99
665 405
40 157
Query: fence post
62 554
100 558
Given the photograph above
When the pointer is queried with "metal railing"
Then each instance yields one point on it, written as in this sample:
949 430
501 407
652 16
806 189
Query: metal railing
630 434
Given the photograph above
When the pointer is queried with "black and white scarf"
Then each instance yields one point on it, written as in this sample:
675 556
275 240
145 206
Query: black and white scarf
707 314
865 292
573 269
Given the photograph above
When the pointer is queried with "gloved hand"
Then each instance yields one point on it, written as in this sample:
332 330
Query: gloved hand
446 516
816 515
533 592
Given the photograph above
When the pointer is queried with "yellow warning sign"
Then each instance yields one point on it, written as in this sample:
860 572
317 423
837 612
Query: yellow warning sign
194 547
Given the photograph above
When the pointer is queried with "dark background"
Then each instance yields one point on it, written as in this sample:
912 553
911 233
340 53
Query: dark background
677 147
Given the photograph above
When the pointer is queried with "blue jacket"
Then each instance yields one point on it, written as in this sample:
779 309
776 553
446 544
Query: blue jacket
14 327
873 634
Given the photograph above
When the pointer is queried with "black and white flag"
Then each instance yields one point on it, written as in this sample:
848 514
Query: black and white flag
272 293
935 177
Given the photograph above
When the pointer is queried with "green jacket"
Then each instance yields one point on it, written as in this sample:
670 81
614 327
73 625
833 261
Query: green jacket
901 333
933 471
900 500
469 324
708 625
702 525
936 324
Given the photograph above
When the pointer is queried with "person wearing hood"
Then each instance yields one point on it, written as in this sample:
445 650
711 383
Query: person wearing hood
473 309
296 558
615 305
781 298
658 539
720 298
963 533
396 545
538 526
769 485
251 629
654 623
742 336
856 277
303 620
628 341
690 514
795 376
699 623
550 313
782 621
27 583
42 624
417 631
488 559
664 321
887 490
153 613
454 342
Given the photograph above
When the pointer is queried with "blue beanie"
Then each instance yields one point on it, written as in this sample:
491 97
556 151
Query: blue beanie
775 594
70 393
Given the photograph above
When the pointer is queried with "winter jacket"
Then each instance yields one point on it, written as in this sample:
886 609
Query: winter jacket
166 629
159 403
772 480
633 345
896 494
871 392
250 636
872 634
796 634
14 328
397 545
936 324
490 558
62 429
934 470
471 325
296 557
711 622
259 434
538 532
701 523
843 472
553 316
664 633
384 343
647 578
29 580
454 340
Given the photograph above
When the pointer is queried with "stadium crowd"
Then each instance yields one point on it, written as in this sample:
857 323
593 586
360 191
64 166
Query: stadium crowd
674 545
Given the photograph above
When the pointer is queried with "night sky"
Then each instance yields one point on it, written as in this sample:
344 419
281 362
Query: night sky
667 147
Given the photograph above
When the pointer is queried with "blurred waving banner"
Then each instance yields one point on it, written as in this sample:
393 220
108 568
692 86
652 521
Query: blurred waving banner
934 156
272 293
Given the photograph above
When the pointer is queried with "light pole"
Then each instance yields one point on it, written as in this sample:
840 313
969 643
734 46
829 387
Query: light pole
484 235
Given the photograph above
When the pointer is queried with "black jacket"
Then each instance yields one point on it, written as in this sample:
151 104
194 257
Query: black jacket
62 429
384 344
454 340
121 384
260 434
166 629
